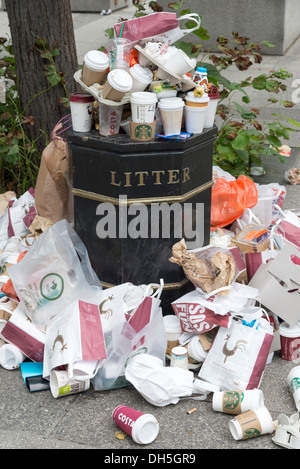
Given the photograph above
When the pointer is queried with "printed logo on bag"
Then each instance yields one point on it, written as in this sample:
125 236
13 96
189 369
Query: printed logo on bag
58 340
108 312
240 345
52 286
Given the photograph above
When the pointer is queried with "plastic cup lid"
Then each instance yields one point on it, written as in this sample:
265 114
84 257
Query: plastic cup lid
120 80
143 97
142 74
145 429
171 103
81 98
289 331
172 323
96 60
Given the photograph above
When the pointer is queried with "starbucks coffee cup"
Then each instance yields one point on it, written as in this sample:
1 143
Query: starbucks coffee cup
251 423
141 77
293 380
194 119
195 350
211 110
173 331
95 64
180 63
179 357
81 111
11 357
197 101
118 83
171 111
237 402
289 341
61 385
142 428
143 106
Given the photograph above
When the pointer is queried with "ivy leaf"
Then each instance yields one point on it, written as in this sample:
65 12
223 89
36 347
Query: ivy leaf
226 151
260 82
52 75
241 141
267 44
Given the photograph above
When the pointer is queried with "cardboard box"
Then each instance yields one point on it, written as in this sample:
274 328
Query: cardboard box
278 282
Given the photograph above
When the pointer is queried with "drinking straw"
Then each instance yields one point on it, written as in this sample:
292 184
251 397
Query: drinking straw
117 46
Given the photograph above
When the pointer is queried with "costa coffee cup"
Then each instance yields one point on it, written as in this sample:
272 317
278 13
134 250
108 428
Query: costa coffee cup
171 111
289 341
141 77
173 331
237 402
251 423
293 380
109 119
81 111
118 83
61 385
142 428
95 64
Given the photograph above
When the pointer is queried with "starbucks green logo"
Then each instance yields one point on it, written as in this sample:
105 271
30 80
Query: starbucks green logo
232 399
143 132
251 433
52 286
295 384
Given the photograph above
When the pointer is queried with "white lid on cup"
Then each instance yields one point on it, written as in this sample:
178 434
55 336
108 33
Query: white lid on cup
120 80
145 429
11 357
142 74
289 331
96 60
172 323
143 97
171 103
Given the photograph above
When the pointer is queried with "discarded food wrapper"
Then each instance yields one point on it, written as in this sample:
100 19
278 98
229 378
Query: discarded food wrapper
211 269
293 176
183 136
253 238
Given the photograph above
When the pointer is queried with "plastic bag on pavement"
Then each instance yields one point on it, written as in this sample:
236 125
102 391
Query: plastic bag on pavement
230 198
134 325
161 385
53 273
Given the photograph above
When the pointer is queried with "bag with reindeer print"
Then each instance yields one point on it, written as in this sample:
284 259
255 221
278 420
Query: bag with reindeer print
238 356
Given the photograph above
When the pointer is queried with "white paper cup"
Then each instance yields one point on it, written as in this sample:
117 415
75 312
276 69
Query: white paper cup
180 63
173 331
143 428
171 111
197 101
196 351
61 385
293 380
289 341
109 119
194 119
251 423
95 64
81 111
143 106
179 357
11 357
118 83
141 78
211 112
237 402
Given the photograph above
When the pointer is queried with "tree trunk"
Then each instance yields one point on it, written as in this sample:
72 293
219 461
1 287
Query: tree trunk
51 20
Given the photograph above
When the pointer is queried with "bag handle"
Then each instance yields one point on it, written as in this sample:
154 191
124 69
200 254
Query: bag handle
192 17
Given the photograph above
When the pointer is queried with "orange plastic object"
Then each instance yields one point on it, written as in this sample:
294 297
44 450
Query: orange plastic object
8 287
230 198
133 57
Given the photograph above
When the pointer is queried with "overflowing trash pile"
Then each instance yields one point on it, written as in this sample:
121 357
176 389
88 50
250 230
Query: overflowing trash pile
66 333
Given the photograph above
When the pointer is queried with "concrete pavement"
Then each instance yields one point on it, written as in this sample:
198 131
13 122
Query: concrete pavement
83 421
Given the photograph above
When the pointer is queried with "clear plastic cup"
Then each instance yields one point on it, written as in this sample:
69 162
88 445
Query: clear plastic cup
109 119
119 53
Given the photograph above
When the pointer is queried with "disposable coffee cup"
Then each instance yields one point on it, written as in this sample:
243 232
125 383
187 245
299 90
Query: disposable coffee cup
171 111
109 119
119 53
61 385
81 111
142 428
143 106
11 357
197 101
289 341
94 67
293 380
179 357
251 423
194 119
237 402
180 63
173 332
195 351
141 77
118 83
211 110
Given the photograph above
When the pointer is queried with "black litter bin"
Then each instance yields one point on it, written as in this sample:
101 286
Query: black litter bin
134 200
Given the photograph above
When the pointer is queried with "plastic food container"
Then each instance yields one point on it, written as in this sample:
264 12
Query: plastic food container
253 238
163 89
